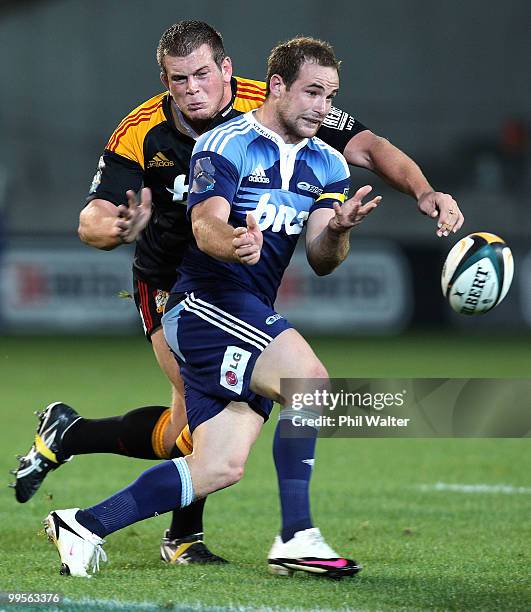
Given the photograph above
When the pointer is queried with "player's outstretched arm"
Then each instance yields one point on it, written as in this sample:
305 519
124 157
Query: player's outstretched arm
375 153
215 237
105 226
328 231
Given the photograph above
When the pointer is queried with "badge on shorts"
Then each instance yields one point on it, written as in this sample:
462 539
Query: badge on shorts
161 298
233 368
273 318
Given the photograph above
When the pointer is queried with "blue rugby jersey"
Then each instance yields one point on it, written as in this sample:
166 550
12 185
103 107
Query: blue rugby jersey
281 184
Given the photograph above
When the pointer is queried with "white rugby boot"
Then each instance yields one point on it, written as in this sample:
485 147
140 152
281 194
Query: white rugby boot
308 552
79 549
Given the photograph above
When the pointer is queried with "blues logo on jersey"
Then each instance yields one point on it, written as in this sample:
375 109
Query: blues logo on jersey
203 175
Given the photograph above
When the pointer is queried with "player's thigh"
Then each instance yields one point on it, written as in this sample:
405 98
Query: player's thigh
150 302
170 367
167 361
290 357
221 447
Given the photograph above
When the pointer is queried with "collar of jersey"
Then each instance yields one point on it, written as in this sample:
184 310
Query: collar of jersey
189 129
182 119
263 131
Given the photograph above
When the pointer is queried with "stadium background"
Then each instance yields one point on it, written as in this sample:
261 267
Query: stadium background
448 82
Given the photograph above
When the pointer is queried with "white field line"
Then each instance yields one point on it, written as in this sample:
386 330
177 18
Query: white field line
476 488
86 603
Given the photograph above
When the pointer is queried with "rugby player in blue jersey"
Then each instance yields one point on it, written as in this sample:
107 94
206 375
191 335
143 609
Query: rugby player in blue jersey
233 348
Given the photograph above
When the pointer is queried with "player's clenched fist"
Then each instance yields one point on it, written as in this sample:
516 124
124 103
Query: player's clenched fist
247 242
353 211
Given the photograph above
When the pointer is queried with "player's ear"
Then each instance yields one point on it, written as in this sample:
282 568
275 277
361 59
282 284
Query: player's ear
164 79
226 69
276 84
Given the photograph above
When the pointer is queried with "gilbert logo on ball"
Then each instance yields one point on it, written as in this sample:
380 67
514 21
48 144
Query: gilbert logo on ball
477 273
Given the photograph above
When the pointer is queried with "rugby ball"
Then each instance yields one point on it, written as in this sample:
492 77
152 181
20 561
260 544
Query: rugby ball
477 273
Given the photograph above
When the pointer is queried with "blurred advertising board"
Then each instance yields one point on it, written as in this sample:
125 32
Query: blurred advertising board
76 289
65 289
370 292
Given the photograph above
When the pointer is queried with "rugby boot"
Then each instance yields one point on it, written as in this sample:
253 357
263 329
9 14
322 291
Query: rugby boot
190 549
79 549
46 453
308 552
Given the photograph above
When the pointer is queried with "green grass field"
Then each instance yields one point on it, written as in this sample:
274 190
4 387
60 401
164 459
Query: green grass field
421 549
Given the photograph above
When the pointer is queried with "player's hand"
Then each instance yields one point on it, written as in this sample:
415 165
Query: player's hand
134 217
442 205
247 242
353 211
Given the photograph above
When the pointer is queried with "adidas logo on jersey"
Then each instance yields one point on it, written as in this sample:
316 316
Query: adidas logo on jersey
258 175
160 161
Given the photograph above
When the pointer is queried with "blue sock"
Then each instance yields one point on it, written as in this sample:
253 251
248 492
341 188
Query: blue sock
294 458
159 489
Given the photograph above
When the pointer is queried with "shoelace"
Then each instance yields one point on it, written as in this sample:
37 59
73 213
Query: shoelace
95 561
318 539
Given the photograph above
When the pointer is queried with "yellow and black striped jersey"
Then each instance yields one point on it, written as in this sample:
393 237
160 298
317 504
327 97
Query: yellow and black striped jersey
147 148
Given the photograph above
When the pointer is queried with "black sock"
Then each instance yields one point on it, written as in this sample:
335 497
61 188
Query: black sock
128 435
187 521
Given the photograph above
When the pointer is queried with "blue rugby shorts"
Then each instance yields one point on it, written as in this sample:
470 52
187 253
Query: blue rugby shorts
217 338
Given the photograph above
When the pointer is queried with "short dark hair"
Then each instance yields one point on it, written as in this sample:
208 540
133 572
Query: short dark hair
287 58
186 36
